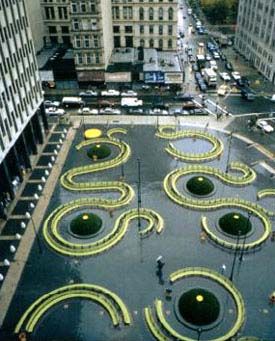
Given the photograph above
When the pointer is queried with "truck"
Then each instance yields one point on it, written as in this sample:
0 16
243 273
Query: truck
72 102
131 102
210 77
200 61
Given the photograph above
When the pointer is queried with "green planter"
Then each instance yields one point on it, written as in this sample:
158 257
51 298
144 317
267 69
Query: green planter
85 225
99 151
199 307
200 185
235 223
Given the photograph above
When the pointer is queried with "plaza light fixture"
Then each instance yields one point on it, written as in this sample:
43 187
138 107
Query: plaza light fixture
12 248
36 196
28 216
1 277
47 173
6 262
52 158
50 165
18 236
32 205
43 179
22 225
58 146
40 188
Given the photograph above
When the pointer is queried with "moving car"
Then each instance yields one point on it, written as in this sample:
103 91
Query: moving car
110 92
55 112
109 110
51 104
267 128
225 76
216 55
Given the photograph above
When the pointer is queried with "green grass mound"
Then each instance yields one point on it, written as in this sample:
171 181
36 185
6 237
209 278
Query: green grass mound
199 307
86 224
99 151
235 223
200 185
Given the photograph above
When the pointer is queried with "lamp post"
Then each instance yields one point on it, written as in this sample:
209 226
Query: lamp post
229 151
235 257
139 191
244 239
199 331
28 216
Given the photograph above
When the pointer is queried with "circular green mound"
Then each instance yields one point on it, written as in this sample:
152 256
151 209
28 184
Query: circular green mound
199 307
86 224
200 185
99 151
235 223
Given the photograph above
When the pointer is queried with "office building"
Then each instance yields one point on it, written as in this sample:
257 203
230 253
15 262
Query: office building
22 118
255 36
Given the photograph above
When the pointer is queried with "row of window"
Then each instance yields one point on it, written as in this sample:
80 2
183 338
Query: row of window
86 41
52 13
87 58
145 29
143 14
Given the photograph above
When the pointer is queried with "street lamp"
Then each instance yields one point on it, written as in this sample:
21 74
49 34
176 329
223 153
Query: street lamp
55 152
1 277
235 256
58 146
50 165
28 216
52 158
18 236
36 196
40 188
244 239
6 262
32 205
223 269
139 191
47 173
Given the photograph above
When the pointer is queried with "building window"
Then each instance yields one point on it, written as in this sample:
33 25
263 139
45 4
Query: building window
160 44
160 13
64 29
86 41
74 7
160 30
151 13
128 29
170 30
170 13
151 43
116 29
79 58
83 7
75 24
141 14
151 29
141 29
52 29
142 44
77 41
170 43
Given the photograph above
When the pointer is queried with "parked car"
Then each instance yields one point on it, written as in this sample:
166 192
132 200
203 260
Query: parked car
236 75
84 111
110 92
225 76
208 57
137 111
55 112
88 93
213 65
129 93
109 110
267 128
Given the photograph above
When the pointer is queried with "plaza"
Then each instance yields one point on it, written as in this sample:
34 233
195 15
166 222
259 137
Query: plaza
107 285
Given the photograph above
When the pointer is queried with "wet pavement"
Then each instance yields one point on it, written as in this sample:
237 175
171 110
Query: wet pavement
129 268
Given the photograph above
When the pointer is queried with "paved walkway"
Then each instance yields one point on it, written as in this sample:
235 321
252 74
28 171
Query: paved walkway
17 266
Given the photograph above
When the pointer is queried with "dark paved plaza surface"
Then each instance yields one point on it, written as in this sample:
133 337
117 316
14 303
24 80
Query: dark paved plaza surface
129 268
